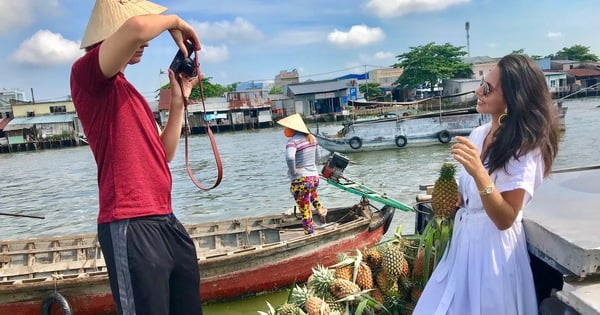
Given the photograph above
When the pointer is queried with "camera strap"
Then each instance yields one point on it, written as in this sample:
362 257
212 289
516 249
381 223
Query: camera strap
213 143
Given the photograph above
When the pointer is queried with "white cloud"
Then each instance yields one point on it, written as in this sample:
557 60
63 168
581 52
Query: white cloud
214 54
358 35
299 38
14 15
553 34
45 48
383 58
238 30
384 55
392 8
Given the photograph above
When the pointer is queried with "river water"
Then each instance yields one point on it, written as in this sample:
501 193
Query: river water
61 185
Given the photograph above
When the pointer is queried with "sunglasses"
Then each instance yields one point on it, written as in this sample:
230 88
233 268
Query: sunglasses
485 87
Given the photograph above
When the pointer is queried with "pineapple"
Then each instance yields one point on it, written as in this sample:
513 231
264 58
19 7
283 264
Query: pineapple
290 309
321 279
372 257
405 272
419 265
377 295
299 295
335 306
364 278
415 293
344 272
316 306
341 288
445 192
392 260
386 284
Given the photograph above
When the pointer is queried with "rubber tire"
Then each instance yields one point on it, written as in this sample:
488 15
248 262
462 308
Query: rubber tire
444 136
401 141
355 143
56 297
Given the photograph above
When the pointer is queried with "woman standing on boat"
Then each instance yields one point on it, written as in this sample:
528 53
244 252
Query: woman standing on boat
301 155
486 268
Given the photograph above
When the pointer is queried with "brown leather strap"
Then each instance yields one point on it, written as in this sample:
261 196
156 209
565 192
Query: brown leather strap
213 143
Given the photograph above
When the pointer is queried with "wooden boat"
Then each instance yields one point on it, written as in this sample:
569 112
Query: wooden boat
236 258
402 131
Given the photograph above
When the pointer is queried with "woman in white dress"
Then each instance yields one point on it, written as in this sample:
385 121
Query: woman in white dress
486 267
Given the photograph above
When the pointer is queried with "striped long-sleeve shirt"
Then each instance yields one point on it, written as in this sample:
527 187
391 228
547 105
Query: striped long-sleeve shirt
301 157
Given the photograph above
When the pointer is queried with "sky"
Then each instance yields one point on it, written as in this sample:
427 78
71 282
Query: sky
253 40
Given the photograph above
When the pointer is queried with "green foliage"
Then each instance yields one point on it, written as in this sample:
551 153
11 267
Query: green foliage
576 53
431 63
210 90
371 90
276 89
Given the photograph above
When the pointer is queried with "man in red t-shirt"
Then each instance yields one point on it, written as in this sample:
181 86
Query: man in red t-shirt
151 260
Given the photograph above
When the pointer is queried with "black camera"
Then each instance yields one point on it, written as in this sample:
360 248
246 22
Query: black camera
181 64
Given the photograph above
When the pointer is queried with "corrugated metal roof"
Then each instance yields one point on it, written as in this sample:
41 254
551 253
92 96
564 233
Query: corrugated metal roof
46 119
28 122
317 87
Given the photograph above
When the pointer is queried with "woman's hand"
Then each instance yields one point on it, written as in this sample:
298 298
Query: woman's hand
467 154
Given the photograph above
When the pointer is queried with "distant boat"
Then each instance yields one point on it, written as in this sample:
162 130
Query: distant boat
403 131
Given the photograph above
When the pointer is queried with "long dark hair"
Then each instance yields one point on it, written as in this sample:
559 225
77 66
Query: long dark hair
531 121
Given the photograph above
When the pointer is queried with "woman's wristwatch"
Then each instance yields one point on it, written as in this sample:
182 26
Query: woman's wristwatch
487 190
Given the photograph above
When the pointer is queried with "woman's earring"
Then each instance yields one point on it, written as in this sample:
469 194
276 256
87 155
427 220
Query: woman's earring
502 117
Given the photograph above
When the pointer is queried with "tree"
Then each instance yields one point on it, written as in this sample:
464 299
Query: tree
576 53
209 89
276 89
431 63
372 91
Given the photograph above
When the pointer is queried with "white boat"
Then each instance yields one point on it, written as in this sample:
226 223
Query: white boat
403 131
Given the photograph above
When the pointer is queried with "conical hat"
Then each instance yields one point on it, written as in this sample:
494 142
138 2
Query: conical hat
109 15
294 122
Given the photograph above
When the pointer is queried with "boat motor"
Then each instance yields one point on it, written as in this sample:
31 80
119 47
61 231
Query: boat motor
334 168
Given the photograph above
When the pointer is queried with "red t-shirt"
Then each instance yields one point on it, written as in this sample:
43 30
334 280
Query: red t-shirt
134 179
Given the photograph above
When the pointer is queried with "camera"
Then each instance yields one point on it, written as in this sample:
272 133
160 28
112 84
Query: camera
181 64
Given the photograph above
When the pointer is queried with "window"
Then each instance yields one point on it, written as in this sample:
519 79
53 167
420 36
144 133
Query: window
58 109
30 114
552 83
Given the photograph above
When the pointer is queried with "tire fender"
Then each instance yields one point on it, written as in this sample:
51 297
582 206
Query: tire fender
355 143
444 136
56 297
400 141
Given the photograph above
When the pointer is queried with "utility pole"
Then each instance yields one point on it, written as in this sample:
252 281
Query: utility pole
467 26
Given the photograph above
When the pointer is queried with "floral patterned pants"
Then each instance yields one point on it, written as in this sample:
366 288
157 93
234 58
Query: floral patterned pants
304 190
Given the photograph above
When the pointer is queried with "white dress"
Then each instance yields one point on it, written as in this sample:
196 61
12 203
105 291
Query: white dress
486 271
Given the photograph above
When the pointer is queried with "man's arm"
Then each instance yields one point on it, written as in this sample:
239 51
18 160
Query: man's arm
117 50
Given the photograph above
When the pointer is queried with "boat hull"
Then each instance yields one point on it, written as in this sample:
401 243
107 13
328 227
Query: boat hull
226 273
402 132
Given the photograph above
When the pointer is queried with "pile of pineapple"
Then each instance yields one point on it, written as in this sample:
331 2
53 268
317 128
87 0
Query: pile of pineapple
386 278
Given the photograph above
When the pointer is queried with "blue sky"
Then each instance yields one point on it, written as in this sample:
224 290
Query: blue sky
252 40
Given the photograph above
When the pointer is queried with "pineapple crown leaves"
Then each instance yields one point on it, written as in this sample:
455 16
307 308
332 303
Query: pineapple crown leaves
366 303
271 310
448 170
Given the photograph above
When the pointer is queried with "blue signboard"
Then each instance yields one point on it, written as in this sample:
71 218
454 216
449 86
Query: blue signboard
353 94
